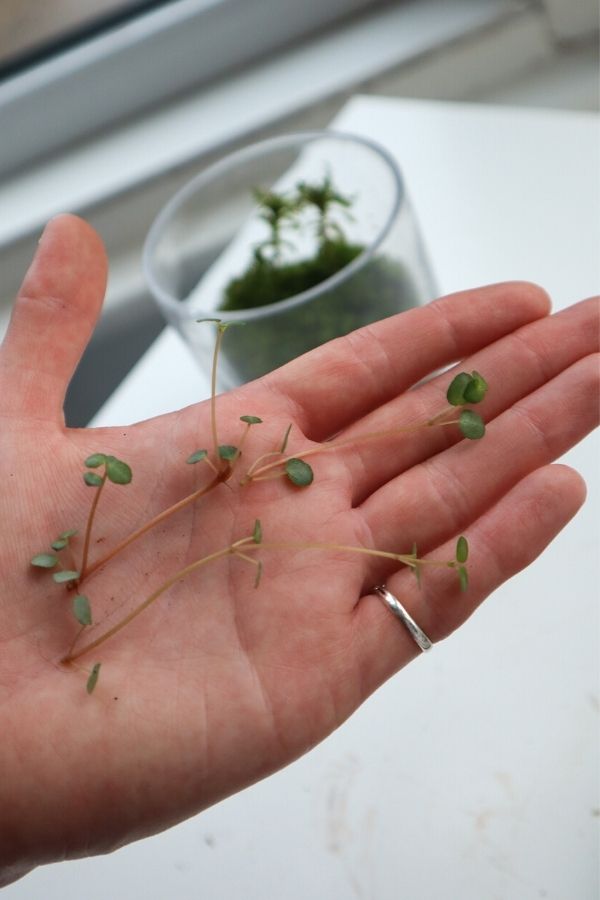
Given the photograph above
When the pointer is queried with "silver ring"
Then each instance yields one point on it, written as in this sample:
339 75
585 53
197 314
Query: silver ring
417 634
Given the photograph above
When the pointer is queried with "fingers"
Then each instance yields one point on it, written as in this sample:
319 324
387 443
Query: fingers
52 320
442 496
502 542
513 366
334 385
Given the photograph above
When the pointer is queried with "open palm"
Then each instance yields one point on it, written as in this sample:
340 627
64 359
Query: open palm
217 683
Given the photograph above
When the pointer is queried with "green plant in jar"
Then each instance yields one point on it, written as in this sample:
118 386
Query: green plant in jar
381 287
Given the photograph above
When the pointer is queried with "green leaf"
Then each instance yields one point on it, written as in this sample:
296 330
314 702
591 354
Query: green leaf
117 471
59 544
456 392
286 438
227 451
95 460
259 569
197 456
65 575
82 609
65 535
462 550
251 420
299 472
93 679
476 389
463 577
471 425
44 560
257 533
92 480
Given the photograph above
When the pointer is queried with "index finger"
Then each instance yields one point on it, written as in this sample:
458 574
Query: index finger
52 320
333 386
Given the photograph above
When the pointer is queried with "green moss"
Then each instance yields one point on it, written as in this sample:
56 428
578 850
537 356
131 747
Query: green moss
380 288
265 283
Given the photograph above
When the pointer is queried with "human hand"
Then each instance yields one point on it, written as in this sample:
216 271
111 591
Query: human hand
217 684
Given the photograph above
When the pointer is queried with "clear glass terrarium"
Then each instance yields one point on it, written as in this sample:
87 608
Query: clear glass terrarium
364 263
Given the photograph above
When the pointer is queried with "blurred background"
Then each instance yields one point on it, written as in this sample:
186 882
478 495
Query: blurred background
108 106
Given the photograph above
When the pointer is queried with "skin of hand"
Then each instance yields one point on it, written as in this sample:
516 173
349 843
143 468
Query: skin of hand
218 684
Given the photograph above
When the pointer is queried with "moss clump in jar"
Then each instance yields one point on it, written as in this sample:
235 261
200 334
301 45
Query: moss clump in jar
380 288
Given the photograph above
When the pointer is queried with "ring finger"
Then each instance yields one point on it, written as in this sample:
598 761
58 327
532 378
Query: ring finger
503 541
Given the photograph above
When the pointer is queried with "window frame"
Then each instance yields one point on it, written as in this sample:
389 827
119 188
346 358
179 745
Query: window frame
135 66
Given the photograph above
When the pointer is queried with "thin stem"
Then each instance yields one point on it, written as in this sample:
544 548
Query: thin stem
335 445
149 600
437 419
88 529
247 477
75 639
255 562
269 477
218 479
255 464
213 392
71 556
210 463
245 556
405 558
367 551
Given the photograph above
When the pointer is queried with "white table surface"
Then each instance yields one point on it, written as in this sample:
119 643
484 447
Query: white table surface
473 775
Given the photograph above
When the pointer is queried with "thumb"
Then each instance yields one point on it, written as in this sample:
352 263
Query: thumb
52 320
